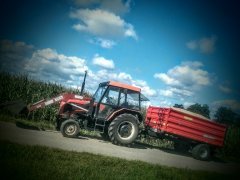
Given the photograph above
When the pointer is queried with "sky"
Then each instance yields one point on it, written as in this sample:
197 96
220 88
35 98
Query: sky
177 52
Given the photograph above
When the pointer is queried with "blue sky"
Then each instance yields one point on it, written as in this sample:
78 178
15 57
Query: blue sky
177 51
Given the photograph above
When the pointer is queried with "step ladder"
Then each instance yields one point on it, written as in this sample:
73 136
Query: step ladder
100 123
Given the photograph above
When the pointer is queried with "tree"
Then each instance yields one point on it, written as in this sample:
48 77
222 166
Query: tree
225 115
178 106
200 109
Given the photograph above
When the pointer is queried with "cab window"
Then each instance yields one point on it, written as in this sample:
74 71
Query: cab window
111 96
129 99
98 94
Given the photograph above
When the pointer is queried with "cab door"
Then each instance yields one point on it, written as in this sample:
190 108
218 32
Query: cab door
109 102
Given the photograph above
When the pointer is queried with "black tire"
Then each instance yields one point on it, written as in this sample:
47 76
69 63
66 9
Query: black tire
201 152
123 129
70 128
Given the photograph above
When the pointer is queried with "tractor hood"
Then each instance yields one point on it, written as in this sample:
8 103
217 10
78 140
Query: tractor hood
81 100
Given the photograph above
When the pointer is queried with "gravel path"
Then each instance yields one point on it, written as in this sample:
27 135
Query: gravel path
10 132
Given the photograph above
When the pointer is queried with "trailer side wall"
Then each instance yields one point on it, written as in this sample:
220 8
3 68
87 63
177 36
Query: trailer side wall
185 124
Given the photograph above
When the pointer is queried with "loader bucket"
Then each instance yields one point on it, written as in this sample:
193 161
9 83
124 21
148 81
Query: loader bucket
14 107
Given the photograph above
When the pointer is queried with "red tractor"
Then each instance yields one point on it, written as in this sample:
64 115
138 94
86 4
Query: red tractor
114 110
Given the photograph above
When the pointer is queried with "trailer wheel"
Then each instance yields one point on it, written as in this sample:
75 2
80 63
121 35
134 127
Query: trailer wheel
201 152
70 128
123 129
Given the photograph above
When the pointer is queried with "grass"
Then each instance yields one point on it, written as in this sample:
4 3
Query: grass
41 125
36 162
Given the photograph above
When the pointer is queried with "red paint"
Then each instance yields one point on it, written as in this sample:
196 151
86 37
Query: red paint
185 124
124 86
62 99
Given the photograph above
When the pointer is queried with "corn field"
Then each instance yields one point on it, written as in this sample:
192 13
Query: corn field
22 87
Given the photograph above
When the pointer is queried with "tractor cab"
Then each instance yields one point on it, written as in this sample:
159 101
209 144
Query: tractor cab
112 96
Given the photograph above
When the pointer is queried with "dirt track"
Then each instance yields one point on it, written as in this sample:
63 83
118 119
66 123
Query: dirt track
13 133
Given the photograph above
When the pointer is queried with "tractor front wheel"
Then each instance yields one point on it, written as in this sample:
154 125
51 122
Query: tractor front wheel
123 129
70 128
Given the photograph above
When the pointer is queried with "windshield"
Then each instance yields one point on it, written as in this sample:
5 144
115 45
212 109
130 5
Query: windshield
130 99
99 93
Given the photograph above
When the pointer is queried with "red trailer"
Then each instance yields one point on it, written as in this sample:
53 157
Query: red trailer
190 131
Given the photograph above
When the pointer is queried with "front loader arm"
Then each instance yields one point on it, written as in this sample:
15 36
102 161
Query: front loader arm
45 102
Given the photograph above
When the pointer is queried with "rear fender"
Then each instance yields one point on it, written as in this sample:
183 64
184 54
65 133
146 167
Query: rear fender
113 115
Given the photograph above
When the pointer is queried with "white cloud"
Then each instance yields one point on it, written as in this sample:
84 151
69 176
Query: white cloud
103 62
225 89
205 45
183 80
102 23
181 92
49 65
193 64
145 88
130 32
166 79
230 103
167 93
104 43
124 76
187 75
171 92
148 91
165 103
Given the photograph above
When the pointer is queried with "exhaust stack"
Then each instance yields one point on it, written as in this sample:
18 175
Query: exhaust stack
83 84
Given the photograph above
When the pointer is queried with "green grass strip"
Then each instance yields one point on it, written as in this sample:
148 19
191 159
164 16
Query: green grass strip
36 162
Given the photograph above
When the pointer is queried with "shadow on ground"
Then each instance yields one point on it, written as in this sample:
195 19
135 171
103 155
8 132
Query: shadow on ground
26 126
140 145
135 145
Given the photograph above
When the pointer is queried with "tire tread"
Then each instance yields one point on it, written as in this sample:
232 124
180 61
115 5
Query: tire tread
113 126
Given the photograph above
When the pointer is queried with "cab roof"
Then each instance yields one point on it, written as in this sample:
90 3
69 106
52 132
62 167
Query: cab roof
126 86
122 85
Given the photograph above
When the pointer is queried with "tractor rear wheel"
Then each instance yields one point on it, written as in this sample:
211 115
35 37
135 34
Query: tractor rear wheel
123 129
201 152
70 128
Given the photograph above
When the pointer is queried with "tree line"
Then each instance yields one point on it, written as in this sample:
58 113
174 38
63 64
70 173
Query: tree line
222 115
